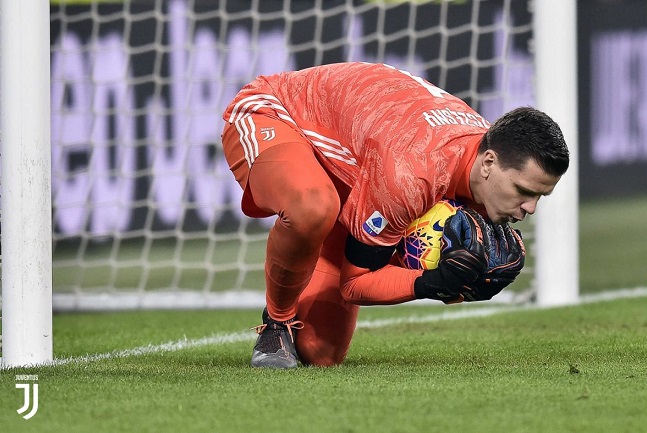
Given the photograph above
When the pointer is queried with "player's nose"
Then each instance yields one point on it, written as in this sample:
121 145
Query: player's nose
529 207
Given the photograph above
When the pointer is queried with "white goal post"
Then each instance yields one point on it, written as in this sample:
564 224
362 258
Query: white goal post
144 211
26 192
556 222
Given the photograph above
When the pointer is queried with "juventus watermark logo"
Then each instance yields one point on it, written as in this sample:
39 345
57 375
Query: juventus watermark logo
30 390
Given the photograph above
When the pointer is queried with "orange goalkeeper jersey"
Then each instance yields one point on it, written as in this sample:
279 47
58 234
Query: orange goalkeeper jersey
398 143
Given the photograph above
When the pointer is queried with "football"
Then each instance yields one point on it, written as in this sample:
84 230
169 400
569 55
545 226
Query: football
420 246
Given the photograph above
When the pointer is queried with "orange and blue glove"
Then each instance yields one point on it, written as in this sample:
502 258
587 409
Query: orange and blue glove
506 256
463 259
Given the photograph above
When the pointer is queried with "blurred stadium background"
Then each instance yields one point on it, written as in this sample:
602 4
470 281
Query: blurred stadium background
145 211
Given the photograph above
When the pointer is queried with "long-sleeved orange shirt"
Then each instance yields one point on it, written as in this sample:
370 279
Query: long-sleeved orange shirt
396 142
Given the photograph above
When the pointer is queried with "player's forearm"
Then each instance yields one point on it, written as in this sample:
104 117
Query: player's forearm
385 286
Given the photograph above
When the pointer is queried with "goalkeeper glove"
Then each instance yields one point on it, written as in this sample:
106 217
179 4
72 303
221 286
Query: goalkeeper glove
462 259
506 256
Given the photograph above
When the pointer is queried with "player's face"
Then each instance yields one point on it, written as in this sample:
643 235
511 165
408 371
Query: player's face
509 194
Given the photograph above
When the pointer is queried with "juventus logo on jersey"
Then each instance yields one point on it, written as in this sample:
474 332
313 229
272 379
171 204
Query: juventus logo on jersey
268 133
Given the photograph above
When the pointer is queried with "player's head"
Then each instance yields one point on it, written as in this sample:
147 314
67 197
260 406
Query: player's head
521 158
526 133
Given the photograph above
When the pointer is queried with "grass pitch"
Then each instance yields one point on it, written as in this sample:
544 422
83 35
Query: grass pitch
570 369
410 368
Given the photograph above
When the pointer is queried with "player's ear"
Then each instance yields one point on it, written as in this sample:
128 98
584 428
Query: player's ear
488 160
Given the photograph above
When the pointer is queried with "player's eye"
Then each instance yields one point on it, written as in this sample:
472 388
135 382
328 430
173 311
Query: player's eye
527 193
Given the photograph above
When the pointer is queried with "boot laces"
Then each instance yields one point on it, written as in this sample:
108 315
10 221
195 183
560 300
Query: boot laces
289 326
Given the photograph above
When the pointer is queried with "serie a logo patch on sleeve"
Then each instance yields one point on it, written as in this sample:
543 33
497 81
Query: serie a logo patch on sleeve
375 224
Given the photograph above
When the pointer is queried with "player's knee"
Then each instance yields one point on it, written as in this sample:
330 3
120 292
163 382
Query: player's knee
320 354
313 212
327 361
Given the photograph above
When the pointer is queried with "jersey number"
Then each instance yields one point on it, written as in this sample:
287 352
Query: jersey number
435 91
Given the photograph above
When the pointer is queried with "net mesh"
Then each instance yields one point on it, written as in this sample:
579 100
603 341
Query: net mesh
145 211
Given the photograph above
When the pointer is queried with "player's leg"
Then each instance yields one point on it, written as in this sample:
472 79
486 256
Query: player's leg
289 181
329 320
282 177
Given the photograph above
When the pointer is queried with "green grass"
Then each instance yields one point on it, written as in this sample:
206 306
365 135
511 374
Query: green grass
572 369
613 250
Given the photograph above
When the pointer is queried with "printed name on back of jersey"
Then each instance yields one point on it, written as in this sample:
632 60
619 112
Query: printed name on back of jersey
375 224
440 117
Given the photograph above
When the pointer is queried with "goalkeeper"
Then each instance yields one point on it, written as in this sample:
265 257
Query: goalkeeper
347 155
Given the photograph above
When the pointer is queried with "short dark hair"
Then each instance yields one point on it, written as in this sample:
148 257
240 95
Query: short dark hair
525 133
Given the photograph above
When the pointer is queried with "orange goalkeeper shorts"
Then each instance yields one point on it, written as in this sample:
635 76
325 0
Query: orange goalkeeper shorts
244 140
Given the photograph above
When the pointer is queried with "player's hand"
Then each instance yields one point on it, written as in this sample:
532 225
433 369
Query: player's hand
506 255
462 261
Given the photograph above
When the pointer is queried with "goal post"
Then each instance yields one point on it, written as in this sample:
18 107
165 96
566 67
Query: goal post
26 192
557 224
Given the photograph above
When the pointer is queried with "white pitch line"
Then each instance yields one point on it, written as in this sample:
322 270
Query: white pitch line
236 337
171 346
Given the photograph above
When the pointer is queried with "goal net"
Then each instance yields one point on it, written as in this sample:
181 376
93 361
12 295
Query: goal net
145 211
